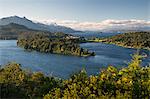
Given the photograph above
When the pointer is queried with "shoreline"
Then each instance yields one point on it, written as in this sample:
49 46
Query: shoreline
103 41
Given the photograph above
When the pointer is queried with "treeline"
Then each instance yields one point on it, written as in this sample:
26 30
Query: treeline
131 39
59 43
132 82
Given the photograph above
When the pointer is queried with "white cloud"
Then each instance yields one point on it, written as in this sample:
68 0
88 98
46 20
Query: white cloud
106 24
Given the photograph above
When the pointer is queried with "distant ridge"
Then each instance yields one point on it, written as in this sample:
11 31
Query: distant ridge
13 31
33 25
13 26
139 40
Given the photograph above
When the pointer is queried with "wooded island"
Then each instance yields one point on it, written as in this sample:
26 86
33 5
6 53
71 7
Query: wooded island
58 43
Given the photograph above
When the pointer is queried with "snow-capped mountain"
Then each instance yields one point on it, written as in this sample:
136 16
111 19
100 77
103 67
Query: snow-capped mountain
71 26
33 25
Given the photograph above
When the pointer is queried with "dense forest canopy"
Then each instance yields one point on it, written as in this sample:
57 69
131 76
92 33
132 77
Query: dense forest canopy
131 39
111 83
59 43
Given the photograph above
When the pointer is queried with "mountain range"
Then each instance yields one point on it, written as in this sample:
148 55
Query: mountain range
33 25
72 26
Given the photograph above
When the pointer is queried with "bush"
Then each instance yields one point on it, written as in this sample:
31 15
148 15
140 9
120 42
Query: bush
16 83
130 82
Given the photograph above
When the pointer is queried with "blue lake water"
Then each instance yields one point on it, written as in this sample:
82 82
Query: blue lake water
63 66
93 34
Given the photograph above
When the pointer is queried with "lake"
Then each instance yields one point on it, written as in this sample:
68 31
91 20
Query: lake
94 34
64 66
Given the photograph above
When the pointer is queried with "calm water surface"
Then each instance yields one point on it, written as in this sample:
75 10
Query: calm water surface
63 66
93 34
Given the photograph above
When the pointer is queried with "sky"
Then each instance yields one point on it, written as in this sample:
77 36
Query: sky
83 11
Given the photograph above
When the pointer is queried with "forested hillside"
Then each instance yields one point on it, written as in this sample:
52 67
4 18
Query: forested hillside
132 40
13 31
58 43
132 82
